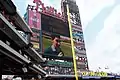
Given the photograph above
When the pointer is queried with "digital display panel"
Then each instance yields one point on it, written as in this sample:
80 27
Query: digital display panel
55 37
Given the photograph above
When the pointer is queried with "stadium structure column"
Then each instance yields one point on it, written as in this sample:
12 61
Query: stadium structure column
77 32
1 65
33 19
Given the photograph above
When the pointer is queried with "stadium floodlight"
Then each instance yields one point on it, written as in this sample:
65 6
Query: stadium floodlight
8 7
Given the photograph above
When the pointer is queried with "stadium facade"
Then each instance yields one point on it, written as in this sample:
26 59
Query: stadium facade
22 49
45 20
77 31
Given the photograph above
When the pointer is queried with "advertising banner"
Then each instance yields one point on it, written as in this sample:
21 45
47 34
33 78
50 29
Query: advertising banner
34 20
78 39
35 45
100 74
35 40
35 37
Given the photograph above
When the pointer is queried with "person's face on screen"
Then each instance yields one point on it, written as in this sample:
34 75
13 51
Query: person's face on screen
56 42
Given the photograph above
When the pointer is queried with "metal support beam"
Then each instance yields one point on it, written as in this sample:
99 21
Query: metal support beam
1 66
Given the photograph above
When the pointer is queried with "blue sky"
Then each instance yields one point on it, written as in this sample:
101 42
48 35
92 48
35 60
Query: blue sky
101 26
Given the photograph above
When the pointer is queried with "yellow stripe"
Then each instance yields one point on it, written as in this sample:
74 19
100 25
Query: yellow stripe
72 43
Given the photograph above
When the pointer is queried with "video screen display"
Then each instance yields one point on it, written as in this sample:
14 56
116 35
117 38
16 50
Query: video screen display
55 36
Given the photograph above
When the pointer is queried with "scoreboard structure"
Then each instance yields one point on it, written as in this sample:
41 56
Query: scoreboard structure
45 21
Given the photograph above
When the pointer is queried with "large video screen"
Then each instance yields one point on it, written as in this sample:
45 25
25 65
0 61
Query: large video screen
55 37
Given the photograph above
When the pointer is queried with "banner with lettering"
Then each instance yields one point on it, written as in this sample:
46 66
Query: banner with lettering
34 19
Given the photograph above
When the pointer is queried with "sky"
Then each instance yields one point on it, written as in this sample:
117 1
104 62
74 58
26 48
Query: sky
100 23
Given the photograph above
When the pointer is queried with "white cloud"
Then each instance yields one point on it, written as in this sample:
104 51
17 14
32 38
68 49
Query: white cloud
90 8
106 48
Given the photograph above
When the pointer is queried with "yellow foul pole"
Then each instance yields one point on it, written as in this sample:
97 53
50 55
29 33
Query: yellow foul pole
72 44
